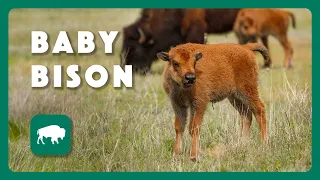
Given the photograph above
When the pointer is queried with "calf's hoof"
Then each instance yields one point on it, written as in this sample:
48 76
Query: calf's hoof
289 67
265 141
175 157
266 66
194 159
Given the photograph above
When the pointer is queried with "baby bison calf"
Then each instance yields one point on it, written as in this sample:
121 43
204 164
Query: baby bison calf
196 74
252 24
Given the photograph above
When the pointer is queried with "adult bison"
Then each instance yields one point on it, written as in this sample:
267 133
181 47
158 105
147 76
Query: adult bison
53 131
159 29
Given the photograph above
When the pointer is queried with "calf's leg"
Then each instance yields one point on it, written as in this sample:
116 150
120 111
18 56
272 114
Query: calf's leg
179 124
288 50
265 42
194 129
179 127
251 94
260 114
245 113
241 38
258 108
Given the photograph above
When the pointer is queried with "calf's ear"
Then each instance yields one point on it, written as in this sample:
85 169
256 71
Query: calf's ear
163 56
249 20
198 56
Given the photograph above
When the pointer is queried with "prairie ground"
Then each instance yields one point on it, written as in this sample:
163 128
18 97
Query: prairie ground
131 129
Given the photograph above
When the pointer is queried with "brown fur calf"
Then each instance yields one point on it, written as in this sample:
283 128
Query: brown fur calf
252 24
197 74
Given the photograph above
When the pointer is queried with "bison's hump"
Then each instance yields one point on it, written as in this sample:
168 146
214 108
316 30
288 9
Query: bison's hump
51 126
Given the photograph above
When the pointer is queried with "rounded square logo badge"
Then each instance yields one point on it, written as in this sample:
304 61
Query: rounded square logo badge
50 135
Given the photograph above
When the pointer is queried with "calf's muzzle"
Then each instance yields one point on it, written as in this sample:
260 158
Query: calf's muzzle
190 78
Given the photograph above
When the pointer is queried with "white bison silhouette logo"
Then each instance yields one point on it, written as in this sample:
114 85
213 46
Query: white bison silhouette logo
53 131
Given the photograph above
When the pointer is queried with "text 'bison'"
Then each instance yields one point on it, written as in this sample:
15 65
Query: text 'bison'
53 131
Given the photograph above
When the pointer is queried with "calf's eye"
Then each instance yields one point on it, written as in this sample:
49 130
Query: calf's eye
175 64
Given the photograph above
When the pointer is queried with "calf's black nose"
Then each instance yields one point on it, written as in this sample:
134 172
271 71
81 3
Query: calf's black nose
190 77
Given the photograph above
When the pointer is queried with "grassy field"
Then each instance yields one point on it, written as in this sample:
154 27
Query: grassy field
132 129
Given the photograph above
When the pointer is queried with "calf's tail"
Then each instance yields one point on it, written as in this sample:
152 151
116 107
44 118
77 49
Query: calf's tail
262 50
38 132
293 19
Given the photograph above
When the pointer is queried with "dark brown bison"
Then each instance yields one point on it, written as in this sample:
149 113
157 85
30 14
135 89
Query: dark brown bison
159 29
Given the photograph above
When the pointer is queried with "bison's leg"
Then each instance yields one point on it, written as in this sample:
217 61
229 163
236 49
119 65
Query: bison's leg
242 39
41 138
245 113
258 108
265 42
260 114
179 124
38 139
288 50
54 139
197 113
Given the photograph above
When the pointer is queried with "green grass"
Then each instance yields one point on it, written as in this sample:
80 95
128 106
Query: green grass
132 129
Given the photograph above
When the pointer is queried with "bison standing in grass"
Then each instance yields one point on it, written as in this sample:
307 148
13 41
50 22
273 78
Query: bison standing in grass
197 74
252 24
160 29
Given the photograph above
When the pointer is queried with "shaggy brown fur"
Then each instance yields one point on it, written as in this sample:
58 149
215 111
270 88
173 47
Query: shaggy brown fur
252 24
160 29
197 74
193 24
